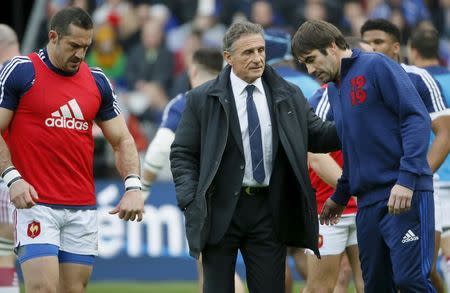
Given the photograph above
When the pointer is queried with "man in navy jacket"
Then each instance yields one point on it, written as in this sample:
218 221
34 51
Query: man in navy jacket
384 129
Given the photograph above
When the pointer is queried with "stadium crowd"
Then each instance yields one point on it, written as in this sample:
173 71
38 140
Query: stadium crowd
147 49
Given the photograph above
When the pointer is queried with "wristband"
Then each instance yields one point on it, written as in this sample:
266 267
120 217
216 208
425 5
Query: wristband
132 182
11 175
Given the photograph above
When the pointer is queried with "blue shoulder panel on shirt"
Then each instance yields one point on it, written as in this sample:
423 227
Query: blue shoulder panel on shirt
321 105
173 111
16 78
109 107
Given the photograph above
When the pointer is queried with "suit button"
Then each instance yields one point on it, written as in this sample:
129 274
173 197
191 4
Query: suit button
236 193
242 167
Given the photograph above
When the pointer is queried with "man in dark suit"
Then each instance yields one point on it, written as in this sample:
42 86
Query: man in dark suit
240 170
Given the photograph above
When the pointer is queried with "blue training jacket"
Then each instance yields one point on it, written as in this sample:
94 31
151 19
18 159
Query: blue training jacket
384 128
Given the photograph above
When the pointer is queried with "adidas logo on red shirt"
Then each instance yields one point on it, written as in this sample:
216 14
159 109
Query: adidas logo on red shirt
68 116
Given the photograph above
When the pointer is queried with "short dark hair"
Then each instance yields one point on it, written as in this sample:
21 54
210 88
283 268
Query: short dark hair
316 34
238 29
381 24
426 42
72 15
209 59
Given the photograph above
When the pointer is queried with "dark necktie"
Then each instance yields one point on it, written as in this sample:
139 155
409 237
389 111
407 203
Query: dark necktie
254 132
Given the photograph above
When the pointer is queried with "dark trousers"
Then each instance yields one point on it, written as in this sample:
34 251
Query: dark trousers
251 231
396 251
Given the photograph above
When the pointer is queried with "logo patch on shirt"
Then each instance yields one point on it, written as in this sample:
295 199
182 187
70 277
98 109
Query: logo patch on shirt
357 93
68 116
34 229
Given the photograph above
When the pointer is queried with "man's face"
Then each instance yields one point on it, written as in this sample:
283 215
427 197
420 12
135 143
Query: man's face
323 67
247 57
70 50
382 42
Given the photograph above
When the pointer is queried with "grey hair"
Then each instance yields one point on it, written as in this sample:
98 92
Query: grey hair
238 29
7 36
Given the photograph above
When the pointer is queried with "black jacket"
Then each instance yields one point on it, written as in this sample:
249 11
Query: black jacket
208 168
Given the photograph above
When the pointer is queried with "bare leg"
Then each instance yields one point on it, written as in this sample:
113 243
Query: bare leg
344 276
322 274
353 257
41 274
74 277
434 276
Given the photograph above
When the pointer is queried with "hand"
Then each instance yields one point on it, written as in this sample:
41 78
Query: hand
331 212
130 207
22 194
399 200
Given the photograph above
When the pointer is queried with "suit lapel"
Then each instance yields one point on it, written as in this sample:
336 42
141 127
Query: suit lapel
235 126
270 103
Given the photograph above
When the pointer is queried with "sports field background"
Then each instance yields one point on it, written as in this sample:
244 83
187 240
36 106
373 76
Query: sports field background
158 287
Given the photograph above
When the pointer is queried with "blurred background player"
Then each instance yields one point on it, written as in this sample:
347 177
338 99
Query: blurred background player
48 103
9 47
423 51
384 37
205 65
338 243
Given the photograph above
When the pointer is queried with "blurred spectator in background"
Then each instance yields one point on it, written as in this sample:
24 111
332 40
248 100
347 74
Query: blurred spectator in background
315 9
412 10
405 14
111 11
353 17
183 58
149 75
107 54
150 64
205 22
262 13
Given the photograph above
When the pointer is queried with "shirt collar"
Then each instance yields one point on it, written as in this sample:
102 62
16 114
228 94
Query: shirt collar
239 85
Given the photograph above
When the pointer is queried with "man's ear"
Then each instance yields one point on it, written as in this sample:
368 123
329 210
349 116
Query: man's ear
396 47
227 57
52 36
333 48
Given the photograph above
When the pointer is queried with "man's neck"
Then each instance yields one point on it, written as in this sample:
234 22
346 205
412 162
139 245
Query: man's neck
50 54
426 62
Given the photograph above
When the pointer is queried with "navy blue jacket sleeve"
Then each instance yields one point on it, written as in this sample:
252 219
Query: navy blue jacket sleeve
402 98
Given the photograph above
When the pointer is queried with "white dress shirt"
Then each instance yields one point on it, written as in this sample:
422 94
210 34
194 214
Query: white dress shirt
259 97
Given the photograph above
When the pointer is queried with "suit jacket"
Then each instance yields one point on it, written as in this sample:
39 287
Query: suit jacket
208 164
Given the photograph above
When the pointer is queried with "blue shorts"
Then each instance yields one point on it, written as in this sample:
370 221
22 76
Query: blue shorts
30 251
396 251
